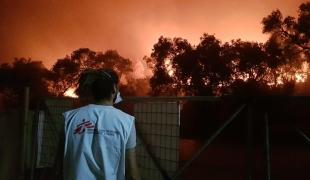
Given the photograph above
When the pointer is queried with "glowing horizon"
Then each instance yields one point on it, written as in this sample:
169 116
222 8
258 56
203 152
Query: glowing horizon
50 29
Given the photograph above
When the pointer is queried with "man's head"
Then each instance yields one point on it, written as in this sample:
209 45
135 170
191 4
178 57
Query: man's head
97 85
84 84
105 85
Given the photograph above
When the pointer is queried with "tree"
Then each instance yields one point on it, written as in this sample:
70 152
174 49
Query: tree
288 47
181 69
237 67
207 69
67 70
21 73
161 82
290 35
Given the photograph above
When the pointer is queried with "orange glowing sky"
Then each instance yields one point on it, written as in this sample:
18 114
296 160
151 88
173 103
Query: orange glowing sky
49 29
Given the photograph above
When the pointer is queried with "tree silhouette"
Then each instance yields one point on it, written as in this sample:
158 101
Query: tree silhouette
179 68
161 81
210 68
290 35
21 73
238 67
288 47
213 61
67 70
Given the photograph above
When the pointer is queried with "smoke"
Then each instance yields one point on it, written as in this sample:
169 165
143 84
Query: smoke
50 29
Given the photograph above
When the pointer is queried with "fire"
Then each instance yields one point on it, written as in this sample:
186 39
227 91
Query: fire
300 78
70 93
299 75
189 80
169 68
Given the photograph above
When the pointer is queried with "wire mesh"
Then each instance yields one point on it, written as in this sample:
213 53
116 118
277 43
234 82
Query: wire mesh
158 123
49 125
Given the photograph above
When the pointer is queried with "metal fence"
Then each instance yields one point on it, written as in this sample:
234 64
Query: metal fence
49 124
158 129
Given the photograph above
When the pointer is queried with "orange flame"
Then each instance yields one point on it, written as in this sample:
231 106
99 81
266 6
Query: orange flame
71 93
169 68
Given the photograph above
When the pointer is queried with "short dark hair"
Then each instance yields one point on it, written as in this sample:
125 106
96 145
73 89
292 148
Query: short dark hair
103 84
85 82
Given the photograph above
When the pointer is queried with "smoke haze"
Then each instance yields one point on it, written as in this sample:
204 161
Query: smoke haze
50 29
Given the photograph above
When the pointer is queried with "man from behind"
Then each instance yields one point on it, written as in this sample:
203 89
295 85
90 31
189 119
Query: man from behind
100 139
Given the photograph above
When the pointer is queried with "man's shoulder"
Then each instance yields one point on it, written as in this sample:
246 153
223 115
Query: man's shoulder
112 112
74 111
123 114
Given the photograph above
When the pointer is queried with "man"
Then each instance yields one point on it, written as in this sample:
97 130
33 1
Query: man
99 139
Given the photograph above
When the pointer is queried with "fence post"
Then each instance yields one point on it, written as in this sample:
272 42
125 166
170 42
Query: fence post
249 147
267 141
24 132
34 144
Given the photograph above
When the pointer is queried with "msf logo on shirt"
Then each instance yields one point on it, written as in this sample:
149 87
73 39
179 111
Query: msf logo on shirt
80 128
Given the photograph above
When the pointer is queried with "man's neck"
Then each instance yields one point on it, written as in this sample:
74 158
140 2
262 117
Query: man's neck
105 102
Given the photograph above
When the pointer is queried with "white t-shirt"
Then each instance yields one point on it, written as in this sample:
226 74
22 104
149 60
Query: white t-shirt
96 139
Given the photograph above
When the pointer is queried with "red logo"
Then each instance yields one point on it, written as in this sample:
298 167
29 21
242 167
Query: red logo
80 128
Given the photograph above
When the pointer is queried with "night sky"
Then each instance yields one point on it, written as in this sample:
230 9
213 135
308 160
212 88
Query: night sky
50 29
